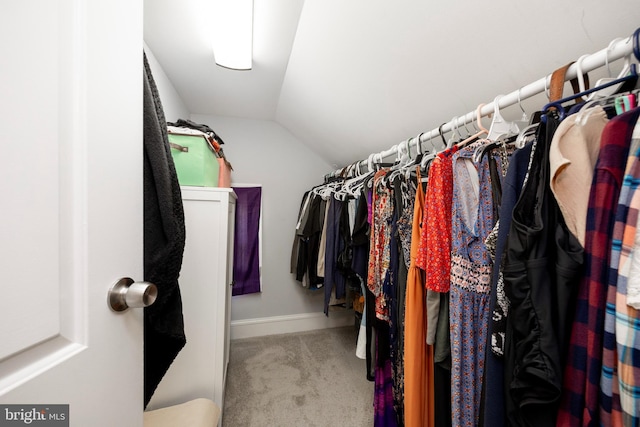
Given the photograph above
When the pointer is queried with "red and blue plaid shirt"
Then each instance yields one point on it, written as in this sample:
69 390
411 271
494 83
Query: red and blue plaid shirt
580 403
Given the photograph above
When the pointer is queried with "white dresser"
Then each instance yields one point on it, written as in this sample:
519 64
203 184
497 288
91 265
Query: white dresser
205 284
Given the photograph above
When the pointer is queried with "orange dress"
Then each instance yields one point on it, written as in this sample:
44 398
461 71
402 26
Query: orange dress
418 356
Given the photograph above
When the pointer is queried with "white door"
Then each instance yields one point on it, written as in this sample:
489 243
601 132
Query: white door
71 206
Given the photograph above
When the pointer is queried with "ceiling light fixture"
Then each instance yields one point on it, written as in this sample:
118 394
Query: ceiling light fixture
233 33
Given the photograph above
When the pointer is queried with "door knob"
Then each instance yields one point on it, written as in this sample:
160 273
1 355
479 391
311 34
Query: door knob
126 293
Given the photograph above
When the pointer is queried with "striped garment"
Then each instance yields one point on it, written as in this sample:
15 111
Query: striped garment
610 410
627 319
580 402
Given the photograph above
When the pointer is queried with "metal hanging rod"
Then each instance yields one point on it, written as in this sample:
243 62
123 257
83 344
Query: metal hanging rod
617 49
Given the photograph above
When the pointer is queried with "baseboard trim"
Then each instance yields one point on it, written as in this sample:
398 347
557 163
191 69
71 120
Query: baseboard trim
263 326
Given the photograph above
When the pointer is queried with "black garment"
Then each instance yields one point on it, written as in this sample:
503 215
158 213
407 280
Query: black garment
311 233
400 300
344 262
493 409
360 235
541 271
164 237
394 318
370 307
334 245
306 243
296 267
442 366
360 265
182 123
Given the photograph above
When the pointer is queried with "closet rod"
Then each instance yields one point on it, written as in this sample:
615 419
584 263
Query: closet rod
619 48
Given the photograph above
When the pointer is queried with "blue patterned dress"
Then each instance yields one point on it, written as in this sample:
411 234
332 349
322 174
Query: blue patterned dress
471 266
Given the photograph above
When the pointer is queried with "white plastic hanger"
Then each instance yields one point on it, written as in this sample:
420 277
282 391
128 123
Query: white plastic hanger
481 129
410 167
608 91
527 132
403 157
499 126
428 155
464 123
455 135
611 89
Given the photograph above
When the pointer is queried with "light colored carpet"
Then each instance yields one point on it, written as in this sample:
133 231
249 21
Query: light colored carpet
304 379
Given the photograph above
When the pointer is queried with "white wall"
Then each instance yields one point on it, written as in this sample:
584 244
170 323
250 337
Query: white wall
173 106
263 152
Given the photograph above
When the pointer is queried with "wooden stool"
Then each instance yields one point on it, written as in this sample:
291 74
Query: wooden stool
195 413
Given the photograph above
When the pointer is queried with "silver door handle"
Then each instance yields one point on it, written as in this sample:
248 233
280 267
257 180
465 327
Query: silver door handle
126 293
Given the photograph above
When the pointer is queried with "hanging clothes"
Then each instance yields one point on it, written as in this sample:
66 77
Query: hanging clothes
404 191
418 357
246 248
515 256
494 406
610 409
382 263
391 294
322 249
442 366
472 220
384 410
382 210
164 239
572 157
627 318
541 270
435 239
334 280
300 249
580 405
359 264
435 246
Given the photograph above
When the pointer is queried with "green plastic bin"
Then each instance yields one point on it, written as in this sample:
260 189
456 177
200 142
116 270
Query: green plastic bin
196 164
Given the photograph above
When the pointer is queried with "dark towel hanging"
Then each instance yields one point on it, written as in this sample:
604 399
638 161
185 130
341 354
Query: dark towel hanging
164 237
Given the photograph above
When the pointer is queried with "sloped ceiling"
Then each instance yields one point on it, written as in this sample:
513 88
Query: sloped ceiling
348 78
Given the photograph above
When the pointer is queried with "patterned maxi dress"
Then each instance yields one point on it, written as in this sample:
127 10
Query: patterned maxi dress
472 220
379 283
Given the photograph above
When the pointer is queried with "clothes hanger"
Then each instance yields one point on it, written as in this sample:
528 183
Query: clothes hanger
525 134
625 103
499 126
430 155
455 134
621 103
444 141
524 120
624 71
636 43
354 185
632 77
464 123
546 87
481 129
499 132
627 82
419 145
325 190
403 159
581 77
418 158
